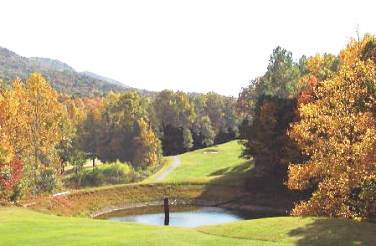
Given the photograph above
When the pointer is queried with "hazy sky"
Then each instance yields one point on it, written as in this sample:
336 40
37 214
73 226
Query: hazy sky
188 45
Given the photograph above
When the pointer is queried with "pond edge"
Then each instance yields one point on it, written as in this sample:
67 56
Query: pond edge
187 202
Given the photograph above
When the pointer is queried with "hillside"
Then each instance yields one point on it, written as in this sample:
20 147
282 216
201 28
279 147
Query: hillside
62 77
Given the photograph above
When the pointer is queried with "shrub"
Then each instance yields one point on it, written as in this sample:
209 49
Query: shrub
117 172
91 178
10 177
363 200
77 160
108 173
46 182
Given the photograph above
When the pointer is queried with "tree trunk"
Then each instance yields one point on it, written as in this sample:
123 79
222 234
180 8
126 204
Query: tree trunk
93 162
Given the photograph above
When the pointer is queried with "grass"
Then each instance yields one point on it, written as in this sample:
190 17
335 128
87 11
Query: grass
202 175
212 174
210 164
24 227
87 201
299 230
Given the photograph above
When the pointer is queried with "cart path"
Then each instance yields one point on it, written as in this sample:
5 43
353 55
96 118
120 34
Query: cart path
175 163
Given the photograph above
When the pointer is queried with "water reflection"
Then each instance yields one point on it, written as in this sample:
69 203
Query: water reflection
192 218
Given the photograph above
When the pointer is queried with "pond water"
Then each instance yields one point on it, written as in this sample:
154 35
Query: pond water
179 216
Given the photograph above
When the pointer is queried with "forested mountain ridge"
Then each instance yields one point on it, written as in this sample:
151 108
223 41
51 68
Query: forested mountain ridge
62 77
100 77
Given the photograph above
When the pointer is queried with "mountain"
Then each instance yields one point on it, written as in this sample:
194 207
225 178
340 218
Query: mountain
99 77
62 77
47 63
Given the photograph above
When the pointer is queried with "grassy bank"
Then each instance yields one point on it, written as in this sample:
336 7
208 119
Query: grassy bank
86 202
24 227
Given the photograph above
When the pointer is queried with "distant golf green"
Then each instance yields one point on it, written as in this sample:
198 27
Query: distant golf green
208 164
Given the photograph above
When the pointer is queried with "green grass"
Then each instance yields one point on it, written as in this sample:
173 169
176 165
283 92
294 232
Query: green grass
24 227
212 174
210 164
299 230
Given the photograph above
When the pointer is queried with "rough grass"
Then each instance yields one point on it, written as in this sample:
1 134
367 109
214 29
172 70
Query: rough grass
85 202
24 227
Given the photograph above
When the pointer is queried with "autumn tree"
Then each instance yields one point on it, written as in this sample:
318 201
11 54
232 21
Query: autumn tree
203 132
148 151
88 135
33 117
11 168
337 131
122 131
318 68
231 121
219 114
268 106
267 141
11 173
187 139
74 115
172 115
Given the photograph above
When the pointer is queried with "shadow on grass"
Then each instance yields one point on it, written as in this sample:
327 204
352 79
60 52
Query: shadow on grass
243 186
234 171
335 232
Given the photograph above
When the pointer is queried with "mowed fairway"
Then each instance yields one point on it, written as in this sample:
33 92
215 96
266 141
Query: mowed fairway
24 227
212 163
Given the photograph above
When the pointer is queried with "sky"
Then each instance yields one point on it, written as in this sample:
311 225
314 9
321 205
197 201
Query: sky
194 46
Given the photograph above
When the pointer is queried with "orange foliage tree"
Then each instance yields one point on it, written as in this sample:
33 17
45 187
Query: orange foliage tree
10 176
337 131
11 168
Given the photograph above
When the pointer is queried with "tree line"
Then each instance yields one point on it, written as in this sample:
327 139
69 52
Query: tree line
42 131
311 124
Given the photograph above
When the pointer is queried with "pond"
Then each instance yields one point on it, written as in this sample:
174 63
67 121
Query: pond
180 216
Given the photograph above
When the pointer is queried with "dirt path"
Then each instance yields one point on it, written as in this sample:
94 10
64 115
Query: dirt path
175 163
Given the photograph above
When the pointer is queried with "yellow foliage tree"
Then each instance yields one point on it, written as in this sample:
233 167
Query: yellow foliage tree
337 131
148 146
32 124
